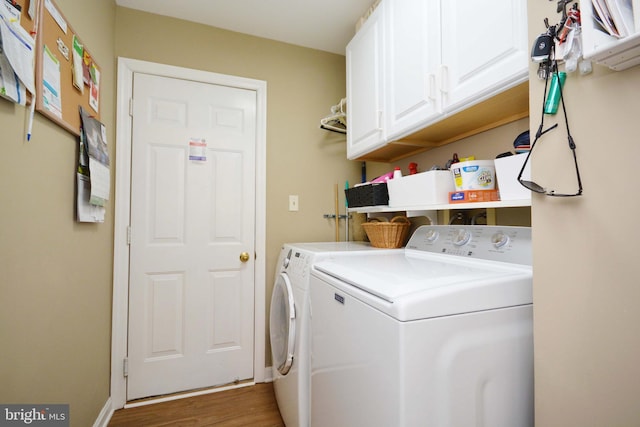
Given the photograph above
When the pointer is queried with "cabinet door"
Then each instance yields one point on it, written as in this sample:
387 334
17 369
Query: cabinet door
484 49
412 52
364 87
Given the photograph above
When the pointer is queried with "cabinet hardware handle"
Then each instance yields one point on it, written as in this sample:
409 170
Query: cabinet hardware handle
432 86
444 79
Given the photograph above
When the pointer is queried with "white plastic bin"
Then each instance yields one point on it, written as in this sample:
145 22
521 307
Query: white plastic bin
507 170
425 188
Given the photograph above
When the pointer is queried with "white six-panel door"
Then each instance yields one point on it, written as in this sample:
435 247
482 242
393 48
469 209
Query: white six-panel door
191 297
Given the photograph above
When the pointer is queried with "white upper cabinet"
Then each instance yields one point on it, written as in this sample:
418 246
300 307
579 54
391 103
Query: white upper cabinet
437 58
412 47
364 87
484 49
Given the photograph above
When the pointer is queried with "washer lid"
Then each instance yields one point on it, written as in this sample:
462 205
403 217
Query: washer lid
431 285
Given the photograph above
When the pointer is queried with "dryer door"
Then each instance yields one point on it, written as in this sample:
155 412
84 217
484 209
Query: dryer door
282 324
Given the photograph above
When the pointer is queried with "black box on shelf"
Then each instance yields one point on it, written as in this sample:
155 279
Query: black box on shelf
368 195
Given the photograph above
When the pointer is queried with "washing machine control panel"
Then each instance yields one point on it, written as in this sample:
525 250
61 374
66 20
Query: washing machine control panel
298 265
498 243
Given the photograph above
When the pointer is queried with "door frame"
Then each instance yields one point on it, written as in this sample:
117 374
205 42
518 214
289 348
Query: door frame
120 309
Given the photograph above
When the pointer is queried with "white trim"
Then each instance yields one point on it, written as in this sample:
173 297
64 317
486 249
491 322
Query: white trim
126 68
105 415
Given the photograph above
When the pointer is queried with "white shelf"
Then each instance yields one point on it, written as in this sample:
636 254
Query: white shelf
617 54
440 207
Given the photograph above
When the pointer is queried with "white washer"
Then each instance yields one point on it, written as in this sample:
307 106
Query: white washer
289 324
438 335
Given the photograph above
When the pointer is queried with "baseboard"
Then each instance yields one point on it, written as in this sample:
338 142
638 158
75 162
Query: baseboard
268 376
105 415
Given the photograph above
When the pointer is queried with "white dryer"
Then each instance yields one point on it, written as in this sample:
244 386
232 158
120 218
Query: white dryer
438 335
289 324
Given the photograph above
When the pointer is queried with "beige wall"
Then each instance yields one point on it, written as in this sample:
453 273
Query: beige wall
586 289
302 85
55 274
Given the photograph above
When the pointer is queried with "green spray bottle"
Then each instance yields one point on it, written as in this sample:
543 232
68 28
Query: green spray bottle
553 97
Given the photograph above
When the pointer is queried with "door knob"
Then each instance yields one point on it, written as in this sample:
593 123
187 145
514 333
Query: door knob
244 256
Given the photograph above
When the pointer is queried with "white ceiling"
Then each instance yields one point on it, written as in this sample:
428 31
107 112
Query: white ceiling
326 25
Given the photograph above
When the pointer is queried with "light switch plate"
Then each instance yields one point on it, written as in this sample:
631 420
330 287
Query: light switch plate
293 203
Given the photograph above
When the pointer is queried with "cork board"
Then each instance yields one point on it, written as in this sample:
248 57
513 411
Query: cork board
57 97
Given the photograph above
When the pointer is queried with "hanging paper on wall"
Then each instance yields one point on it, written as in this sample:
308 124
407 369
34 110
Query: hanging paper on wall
13 11
94 133
198 149
51 93
86 65
10 86
78 51
86 212
94 88
57 16
18 47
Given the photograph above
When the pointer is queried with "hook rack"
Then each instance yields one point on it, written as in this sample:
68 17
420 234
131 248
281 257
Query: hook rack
332 216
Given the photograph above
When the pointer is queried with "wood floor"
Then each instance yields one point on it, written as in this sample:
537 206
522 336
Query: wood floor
247 406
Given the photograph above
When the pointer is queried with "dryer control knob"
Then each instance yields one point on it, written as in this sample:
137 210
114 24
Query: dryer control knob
462 237
432 236
499 239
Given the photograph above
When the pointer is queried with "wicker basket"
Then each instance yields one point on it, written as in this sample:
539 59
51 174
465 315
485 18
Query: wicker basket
387 235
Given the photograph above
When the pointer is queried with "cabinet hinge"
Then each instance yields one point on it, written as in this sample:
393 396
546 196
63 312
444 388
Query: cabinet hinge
128 235
131 107
125 367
